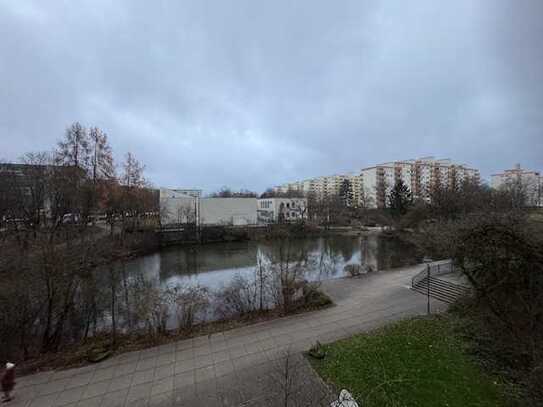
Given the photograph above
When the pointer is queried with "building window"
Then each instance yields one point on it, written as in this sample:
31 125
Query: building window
288 205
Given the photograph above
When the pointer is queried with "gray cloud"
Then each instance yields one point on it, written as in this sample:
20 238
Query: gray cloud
250 94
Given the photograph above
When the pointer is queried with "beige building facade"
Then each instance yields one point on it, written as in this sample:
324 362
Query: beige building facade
371 185
324 187
531 183
421 175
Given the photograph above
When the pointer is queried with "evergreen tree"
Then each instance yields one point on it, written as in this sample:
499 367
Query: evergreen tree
399 198
346 193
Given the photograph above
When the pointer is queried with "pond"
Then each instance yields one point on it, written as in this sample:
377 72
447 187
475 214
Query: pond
215 265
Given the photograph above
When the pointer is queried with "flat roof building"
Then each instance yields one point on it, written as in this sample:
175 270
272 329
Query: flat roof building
278 210
531 183
371 185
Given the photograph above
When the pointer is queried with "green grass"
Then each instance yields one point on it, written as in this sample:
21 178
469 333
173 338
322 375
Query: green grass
415 362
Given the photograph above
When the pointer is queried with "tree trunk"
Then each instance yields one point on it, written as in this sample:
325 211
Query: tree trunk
126 299
113 316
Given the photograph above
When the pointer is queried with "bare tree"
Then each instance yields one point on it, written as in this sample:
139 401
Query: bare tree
101 158
500 254
57 269
226 192
190 302
327 210
25 189
74 149
287 266
294 383
133 194
132 176
186 214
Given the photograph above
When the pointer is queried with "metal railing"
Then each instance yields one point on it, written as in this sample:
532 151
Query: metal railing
434 269
426 282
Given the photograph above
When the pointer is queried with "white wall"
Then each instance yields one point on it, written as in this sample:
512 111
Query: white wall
176 207
228 211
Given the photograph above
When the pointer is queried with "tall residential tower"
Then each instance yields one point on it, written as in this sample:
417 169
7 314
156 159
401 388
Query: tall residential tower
372 185
530 181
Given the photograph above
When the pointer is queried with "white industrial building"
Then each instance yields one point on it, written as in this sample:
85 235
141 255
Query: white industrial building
530 181
228 211
181 206
277 210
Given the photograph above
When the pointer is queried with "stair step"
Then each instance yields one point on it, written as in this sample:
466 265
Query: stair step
438 280
445 284
442 290
441 281
439 295
451 297
445 288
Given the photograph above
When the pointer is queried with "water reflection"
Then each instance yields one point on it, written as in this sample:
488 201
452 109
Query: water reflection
214 266
207 258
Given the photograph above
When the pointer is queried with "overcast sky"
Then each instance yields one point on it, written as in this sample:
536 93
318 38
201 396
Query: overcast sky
252 93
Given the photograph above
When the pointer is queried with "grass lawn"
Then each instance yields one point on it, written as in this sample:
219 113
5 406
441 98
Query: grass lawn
415 362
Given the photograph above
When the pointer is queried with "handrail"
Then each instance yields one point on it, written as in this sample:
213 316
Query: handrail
427 282
434 269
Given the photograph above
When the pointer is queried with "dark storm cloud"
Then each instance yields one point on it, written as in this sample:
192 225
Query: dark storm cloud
250 94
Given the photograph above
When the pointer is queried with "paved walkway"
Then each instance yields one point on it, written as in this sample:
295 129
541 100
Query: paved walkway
241 367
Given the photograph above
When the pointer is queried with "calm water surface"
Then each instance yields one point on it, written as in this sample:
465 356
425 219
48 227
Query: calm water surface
215 265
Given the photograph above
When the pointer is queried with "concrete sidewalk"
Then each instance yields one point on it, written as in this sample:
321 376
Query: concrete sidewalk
232 368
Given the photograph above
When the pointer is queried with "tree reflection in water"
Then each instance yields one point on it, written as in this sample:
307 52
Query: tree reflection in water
238 266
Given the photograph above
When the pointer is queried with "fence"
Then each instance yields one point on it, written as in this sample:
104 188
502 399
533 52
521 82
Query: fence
434 269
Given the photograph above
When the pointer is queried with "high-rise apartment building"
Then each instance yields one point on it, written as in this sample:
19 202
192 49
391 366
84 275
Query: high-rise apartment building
324 187
371 186
421 175
530 181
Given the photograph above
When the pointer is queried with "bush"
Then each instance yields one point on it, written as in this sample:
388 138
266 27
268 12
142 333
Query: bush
190 303
501 254
240 297
314 297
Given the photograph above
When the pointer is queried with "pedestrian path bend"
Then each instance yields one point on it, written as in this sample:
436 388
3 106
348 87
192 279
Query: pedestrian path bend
235 367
